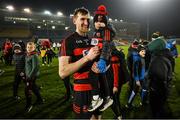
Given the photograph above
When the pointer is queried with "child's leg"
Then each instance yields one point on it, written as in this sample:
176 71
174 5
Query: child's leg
143 92
107 92
116 106
50 59
96 100
35 90
42 60
133 93
94 77
28 94
17 80
48 62
104 84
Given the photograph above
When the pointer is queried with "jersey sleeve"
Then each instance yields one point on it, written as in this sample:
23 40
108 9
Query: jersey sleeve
115 68
66 48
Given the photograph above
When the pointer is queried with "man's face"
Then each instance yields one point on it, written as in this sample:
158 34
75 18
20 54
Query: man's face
30 47
81 22
142 53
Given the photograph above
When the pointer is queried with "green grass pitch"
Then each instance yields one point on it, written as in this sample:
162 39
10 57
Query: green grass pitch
53 92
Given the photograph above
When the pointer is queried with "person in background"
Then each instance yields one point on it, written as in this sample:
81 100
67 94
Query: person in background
32 72
138 75
19 59
43 55
49 54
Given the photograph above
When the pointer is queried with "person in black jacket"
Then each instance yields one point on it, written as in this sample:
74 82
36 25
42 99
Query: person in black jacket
19 59
49 54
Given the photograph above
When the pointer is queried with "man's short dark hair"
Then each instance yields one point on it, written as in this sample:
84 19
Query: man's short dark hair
81 10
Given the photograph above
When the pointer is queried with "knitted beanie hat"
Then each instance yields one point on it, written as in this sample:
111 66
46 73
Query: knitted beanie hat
17 46
100 15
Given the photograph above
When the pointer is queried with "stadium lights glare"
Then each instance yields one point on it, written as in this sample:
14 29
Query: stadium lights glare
66 28
59 14
145 0
39 27
44 20
53 27
52 21
14 22
71 15
110 19
47 12
27 10
10 8
116 20
121 20
91 17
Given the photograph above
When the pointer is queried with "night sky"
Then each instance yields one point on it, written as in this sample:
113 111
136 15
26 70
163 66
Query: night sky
164 15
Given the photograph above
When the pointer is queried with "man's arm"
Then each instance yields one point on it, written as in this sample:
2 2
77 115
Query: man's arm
66 68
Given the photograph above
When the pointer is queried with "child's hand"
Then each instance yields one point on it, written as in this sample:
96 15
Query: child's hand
102 24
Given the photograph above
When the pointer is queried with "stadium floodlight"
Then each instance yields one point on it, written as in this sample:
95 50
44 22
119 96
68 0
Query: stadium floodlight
145 0
121 20
52 21
66 28
14 22
59 13
91 17
10 8
27 10
39 27
116 20
110 19
53 27
71 15
47 12
44 20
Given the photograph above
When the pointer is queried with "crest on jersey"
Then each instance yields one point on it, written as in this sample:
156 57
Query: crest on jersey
94 41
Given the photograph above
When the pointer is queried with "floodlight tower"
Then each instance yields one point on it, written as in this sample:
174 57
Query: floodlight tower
147 2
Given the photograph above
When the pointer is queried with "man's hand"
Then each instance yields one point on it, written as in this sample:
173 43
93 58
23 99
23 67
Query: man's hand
115 90
138 83
21 74
93 53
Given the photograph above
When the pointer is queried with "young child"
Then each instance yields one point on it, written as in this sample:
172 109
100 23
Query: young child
138 74
103 38
19 59
32 72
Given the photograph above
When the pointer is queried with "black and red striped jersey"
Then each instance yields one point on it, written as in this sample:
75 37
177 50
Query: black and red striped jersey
76 47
